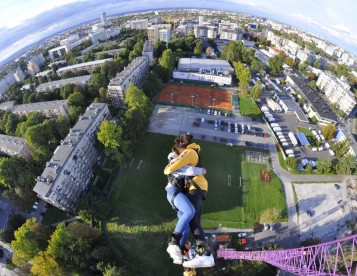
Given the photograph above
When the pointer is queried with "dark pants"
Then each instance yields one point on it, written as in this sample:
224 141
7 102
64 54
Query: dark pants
196 198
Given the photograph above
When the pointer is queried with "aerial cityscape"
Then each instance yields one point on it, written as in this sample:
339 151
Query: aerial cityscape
242 113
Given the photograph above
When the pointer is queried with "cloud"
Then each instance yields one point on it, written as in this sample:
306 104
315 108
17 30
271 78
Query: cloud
338 30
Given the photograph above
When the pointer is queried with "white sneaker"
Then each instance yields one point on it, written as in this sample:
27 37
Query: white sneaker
175 253
200 261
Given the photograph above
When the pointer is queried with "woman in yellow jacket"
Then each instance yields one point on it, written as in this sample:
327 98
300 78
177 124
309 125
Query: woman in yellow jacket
189 155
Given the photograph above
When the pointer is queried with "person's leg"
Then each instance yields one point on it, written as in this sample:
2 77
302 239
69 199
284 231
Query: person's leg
203 258
185 213
196 198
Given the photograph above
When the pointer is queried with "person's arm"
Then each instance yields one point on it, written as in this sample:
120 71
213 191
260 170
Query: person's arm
189 171
185 158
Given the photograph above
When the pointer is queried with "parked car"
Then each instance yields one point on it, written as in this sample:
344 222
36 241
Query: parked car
243 241
337 186
242 235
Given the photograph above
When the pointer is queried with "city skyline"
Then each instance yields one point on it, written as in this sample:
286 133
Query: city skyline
30 22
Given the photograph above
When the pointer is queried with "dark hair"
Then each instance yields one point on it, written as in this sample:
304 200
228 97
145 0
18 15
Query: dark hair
183 140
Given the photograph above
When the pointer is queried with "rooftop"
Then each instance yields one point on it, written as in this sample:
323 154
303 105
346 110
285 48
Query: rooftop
315 100
90 63
120 77
68 145
148 46
194 64
38 106
11 143
60 83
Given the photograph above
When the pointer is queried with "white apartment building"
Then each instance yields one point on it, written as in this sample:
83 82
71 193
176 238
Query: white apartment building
11 145
140 24
148 50
165 35
336 91
49 109
304 55
82 66
33 67
231 33
79 81
68 173
216 71
153 33
182 30
212 31
7 106
19 75
100 34
135 73
58 51
200 31
201 20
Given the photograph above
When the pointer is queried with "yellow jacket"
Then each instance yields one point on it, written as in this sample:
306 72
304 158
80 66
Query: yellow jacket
188 157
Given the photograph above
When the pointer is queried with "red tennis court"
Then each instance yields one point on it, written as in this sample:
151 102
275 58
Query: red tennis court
196 96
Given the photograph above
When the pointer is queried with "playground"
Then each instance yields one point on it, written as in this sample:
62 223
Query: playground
193 95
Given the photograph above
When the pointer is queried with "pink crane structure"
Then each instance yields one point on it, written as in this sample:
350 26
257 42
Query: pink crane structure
330 258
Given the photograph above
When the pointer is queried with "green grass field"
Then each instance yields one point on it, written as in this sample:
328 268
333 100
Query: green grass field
248 107
142 219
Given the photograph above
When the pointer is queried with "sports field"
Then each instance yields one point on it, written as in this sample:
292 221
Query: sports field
141 217
193 95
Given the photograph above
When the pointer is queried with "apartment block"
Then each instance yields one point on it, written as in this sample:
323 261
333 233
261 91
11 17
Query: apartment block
165 35
19 75
140 24
10 146
82 66
304 55
336 91
49 109
135 73
153 33
79 81
200 31
68 173
148 50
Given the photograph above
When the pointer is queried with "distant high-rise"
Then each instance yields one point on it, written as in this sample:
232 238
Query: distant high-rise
200 20
103 19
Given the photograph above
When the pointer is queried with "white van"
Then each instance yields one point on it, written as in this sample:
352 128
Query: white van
314 149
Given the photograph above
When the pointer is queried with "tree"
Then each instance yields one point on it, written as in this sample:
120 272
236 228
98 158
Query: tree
346 165
328 131
291 162
153 85
159 48
25 245
67 249
275 64
309 168
93 206
167 62
76 99
270 215
289 61
45 264
136 99
324 165
243 75
257 66
110 136
303 67
312 84
256 90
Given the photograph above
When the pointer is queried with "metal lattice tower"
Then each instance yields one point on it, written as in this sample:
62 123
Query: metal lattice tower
330 258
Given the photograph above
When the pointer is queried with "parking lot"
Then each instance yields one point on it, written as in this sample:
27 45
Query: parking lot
210 126
323 210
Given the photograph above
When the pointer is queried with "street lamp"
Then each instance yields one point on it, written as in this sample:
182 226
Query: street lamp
192 97
213 102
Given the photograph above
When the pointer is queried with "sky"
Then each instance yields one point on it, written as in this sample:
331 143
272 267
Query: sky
24 22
